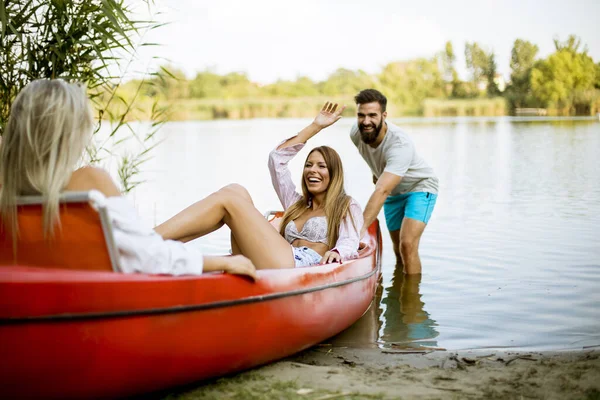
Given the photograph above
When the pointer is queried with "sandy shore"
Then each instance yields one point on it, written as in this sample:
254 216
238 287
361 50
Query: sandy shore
352 366
327 372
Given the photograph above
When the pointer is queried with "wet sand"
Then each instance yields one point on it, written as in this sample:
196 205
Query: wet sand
325 372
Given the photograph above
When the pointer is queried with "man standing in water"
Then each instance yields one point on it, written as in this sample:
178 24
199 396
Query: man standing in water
405 185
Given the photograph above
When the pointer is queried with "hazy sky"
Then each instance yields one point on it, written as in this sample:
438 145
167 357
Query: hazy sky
271 39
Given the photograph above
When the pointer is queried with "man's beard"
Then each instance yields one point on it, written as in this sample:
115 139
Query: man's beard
370 137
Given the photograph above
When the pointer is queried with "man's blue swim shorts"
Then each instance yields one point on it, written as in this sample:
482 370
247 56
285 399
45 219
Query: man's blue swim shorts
414 205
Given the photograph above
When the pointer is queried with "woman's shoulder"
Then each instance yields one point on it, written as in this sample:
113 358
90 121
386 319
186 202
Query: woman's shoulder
93 178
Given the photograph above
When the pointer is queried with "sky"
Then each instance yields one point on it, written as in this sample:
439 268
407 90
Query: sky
279 39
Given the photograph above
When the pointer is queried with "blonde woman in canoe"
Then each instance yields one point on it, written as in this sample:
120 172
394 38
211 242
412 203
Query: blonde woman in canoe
50 125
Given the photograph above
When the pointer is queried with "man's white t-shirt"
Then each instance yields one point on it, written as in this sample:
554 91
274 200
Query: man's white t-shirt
396 154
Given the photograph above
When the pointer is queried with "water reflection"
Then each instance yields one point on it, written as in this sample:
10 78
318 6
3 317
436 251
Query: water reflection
406 323
396 318
364 333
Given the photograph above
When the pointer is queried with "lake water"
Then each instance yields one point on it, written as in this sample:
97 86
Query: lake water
511 256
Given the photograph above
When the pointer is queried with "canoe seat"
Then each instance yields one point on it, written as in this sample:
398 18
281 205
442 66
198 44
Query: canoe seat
82 241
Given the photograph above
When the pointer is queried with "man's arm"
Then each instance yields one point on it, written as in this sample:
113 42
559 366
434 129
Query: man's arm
385 184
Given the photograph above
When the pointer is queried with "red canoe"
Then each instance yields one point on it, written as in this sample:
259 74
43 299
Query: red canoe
68 333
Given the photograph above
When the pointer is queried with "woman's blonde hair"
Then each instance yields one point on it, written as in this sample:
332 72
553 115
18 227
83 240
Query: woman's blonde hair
49 126
336 203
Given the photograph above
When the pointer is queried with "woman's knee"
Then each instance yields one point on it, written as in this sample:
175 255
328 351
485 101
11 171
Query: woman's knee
234 198
236 191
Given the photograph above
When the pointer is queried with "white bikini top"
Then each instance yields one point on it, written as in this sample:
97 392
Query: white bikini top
314 230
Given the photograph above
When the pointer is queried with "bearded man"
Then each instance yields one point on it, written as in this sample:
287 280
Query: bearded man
405 185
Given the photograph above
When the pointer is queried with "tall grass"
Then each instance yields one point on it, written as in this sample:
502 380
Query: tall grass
90 41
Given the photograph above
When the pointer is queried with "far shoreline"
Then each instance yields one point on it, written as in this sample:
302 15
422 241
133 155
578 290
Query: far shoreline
402 120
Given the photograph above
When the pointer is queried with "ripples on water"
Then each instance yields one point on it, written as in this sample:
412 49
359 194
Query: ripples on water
511 256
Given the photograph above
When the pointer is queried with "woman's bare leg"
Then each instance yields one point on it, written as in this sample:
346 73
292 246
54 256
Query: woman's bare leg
243 193
235 249
254 236
176 228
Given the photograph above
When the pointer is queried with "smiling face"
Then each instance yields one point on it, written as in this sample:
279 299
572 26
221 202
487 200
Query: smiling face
370 121
316 173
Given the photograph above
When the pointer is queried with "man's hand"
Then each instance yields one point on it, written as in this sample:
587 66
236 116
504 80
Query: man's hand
363 230
331 257
329 115
385 184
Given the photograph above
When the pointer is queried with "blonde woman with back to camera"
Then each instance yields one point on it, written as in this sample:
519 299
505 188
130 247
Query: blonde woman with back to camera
50 124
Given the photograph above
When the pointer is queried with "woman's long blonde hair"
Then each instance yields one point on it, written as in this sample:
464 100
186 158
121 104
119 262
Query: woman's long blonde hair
336 203
50 124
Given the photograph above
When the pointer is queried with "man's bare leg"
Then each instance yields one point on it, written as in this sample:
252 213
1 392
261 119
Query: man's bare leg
395 236
410 237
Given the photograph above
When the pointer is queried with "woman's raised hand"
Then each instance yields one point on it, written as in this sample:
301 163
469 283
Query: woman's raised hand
330 113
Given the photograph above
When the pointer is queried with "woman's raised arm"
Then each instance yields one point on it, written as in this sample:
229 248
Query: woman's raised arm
329 114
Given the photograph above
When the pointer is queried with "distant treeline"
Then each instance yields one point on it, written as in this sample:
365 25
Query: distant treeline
567 82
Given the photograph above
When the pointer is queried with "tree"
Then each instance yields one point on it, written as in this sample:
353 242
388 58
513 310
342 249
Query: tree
522 59
448 68
565 80
449 61
237 85
572 44
302 86
411 82
483 69
477 61
346 82
490 76
206 84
